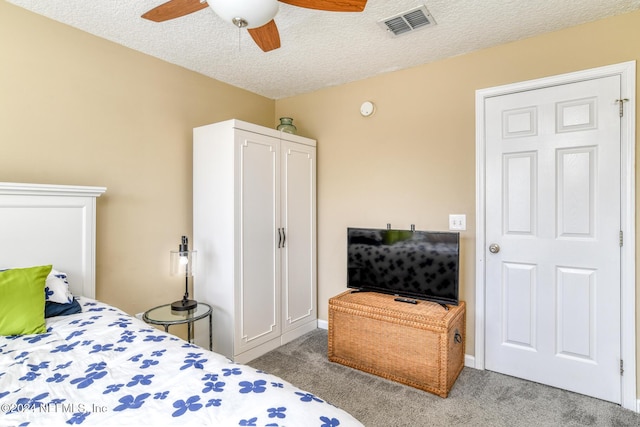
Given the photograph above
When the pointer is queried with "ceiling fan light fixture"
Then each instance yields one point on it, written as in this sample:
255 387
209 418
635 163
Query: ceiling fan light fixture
255 13
239 22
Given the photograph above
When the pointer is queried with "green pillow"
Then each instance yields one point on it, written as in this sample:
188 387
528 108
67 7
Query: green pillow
22 300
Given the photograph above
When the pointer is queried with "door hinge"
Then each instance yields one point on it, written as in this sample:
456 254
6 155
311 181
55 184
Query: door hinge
621 367
621 102
621 238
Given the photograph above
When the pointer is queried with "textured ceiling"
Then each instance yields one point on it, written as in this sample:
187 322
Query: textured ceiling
321 49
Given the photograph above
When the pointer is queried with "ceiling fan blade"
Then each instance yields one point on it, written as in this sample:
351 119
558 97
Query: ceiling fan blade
266 37
174 9
330 5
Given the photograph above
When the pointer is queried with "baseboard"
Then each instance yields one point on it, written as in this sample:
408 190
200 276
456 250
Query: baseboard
469 361
638 406
323 324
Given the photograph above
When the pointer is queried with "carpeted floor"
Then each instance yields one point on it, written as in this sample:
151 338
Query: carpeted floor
478 398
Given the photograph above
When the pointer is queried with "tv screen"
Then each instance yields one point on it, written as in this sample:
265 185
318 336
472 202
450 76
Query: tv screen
413 264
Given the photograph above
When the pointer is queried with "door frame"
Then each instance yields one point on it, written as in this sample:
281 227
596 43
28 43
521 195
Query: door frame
627 73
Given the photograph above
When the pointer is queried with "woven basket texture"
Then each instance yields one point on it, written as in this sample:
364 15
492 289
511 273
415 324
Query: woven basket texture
413 344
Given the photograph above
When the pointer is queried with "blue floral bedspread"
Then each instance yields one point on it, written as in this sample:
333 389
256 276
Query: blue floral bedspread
104 367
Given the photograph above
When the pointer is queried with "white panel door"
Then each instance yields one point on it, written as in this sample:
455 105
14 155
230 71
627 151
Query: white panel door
298 234
553 210
259 263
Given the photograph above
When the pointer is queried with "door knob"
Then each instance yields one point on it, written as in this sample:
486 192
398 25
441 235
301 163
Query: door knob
494 248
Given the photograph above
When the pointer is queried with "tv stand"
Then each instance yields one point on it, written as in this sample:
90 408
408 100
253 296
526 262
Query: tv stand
419 344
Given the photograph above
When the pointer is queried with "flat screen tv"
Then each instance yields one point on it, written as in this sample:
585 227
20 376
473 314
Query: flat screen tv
411 264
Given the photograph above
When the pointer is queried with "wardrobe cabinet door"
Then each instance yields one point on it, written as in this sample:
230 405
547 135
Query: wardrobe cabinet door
298 201
258 264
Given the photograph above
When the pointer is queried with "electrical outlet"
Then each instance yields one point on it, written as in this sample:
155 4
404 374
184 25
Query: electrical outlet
457 222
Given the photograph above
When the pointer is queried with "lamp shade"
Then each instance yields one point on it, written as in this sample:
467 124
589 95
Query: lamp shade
183 263
255 13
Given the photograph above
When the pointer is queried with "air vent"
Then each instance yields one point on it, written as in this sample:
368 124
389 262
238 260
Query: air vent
408 21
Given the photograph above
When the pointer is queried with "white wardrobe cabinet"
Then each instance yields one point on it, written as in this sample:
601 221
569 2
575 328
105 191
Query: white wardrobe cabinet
254 227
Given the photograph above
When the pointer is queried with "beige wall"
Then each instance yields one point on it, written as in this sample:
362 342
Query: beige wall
76 109
413 161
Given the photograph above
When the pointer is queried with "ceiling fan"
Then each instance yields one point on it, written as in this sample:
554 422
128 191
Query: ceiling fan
254 15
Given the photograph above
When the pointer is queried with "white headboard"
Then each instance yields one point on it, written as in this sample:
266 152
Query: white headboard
44 224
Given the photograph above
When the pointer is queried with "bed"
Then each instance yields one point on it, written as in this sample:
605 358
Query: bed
89 363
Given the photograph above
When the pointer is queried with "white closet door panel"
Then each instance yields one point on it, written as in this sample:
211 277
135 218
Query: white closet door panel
576 177
299 226
258 296
519 305
577 300
519 193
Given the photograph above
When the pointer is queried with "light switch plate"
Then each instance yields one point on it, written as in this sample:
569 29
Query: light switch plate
457 222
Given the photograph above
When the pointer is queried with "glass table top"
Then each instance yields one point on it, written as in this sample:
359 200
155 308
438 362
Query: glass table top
164 315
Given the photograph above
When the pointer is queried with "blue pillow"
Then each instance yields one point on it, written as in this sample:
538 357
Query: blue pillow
52 309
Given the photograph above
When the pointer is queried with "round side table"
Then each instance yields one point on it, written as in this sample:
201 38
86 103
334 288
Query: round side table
165 316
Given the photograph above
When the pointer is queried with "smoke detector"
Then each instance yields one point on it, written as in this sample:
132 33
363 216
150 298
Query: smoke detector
407 22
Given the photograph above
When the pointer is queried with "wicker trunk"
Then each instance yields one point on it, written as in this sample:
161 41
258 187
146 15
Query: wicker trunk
420 345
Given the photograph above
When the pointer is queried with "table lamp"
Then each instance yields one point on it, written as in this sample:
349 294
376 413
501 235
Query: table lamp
183 263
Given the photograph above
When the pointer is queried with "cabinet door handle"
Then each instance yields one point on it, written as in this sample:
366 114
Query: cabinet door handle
279 237
284 237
